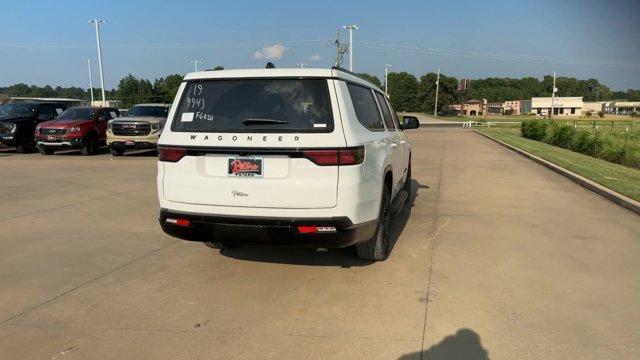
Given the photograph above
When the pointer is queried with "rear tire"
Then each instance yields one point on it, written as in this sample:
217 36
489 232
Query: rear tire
90 146
378 247
45 150
407 181
25 144
116 152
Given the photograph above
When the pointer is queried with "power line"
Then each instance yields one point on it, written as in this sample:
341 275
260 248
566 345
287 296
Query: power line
497 56
366 44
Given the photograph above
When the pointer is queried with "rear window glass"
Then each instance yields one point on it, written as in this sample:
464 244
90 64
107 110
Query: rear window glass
78 113
255 105
365 106
153 111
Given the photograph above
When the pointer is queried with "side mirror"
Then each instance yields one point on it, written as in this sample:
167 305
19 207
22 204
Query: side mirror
410 122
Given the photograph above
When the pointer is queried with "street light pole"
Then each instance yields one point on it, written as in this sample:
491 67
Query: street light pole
351 28
553 95
97 22
386 78
88 61
195 64
435 108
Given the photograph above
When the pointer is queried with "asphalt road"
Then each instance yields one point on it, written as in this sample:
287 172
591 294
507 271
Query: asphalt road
497 258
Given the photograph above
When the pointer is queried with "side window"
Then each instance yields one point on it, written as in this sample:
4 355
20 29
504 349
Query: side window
386 114
365 107
394 114
58 110
103 116
46 112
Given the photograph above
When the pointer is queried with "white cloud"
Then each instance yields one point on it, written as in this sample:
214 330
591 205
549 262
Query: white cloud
314 57
274 52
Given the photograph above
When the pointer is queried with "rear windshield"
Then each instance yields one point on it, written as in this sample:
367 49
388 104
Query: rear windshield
77 113
255 105
18 109
153 111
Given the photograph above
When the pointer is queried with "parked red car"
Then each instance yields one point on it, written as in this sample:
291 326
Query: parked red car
82 128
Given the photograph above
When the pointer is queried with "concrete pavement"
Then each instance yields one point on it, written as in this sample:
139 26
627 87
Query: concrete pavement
498 258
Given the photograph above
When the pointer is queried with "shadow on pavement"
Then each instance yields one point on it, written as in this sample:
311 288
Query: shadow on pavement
333 257
464 344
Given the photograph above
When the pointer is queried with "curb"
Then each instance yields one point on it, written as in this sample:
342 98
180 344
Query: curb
621 200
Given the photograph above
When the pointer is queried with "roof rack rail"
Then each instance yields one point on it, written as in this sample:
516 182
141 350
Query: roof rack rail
344 70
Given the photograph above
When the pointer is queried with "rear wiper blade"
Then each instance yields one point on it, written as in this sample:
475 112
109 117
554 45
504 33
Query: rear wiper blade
260 121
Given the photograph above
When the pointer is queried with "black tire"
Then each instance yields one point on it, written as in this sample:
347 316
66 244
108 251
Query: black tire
378 247
45 150
25 144
407 181
90 146
220 246
116 152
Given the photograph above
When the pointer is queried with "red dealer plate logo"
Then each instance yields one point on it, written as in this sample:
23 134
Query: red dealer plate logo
244 166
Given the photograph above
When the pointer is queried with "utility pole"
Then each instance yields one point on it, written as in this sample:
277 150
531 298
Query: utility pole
386 78
88 61
351 28
435 108
340 49
301 65
195 64
97 22
553 95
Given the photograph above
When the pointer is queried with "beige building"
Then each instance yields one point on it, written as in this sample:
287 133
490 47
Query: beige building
471 107
592 107
512 106
107 103
562 106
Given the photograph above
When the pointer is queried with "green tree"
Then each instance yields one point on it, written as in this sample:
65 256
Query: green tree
165 89
403 91
447 94
370 78
218 67
132 90
19 90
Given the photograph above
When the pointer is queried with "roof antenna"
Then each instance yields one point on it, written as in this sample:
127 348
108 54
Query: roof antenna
270 65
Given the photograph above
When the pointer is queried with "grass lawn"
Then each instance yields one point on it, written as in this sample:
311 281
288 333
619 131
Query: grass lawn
616 177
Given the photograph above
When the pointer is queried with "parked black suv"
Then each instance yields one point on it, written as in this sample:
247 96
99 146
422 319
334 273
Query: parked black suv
18 121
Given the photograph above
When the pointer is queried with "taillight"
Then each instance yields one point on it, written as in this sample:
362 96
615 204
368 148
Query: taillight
348 156
179 222
171 154
313 229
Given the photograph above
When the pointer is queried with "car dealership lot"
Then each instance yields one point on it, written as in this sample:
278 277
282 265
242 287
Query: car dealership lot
498 257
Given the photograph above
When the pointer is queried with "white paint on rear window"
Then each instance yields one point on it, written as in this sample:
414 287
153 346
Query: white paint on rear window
186 117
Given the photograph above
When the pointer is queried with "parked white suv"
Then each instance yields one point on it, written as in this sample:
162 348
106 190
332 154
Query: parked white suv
303 157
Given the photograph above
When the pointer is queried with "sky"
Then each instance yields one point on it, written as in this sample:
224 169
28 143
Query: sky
46 42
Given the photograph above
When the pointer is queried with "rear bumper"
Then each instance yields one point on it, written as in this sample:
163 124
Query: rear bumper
266 231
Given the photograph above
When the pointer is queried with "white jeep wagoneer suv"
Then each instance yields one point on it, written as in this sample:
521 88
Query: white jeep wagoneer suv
302 157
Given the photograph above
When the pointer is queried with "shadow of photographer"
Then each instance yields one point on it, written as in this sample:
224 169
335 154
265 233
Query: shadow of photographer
464 344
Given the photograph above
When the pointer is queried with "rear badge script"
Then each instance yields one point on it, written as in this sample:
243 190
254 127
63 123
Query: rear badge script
238 193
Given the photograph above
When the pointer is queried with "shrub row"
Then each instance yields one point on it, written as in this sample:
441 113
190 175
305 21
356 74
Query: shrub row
603 144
